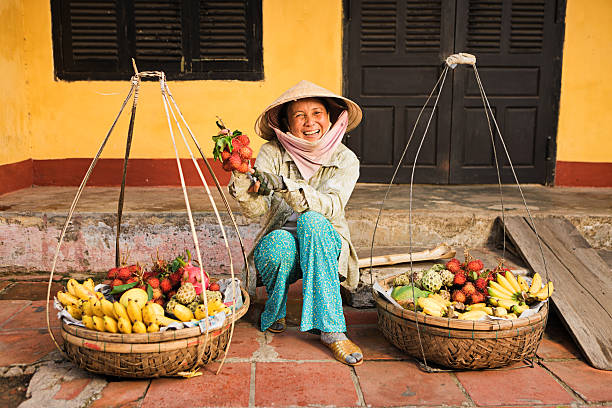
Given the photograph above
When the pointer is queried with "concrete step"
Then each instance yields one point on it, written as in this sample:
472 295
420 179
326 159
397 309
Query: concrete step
155 222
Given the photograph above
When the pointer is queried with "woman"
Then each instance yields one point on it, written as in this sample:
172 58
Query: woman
302 180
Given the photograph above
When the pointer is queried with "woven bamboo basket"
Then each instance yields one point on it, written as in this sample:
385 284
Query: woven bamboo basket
147 355
460 344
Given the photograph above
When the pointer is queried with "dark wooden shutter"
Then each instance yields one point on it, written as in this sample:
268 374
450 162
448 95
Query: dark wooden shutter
89 33
187 39
158 34
228 38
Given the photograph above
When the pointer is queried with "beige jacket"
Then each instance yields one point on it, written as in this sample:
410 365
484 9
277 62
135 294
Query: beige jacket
326 192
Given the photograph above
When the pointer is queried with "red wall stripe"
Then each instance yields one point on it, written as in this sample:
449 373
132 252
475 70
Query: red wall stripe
140 172
15 176
582 174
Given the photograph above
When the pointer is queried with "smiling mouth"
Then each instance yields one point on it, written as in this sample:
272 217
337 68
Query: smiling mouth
310 133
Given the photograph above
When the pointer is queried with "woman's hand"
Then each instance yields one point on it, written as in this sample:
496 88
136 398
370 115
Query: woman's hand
255 186
267 182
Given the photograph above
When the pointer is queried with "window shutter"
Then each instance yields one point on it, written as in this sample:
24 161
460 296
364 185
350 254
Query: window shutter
423 25
378 26
527 26
188 39
89 30
223 31
229 39
484 26
158 34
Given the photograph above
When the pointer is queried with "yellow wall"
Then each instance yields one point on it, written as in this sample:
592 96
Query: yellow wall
14 136
70 119
585 113
42 118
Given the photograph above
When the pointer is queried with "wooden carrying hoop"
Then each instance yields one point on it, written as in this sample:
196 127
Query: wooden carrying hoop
460 344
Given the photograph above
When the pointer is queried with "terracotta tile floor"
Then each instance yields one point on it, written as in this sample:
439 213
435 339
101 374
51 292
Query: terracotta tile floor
293 369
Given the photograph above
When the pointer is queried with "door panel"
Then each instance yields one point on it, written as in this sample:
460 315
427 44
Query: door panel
394 59
395 54
517 44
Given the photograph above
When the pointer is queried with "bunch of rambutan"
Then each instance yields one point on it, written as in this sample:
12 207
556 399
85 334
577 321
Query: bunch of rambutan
471 280
233 150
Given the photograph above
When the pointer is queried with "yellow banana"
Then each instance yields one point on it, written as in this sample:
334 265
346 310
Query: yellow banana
74 311
497 294
89 284
136 294
432 311
120 310
513 282
98 323
200 312
110 324
506 304
183 313
139 327
82 292
475 306
149 314
87 308
67 299
96 306
215 306
423 302
492 300
107 308
511 316
124 325
545 292
152 328
518 309
88 322
536 284
134 312
71 285
159 309
522 283
500 311
165 321
501 290
504 283
438 298
473 315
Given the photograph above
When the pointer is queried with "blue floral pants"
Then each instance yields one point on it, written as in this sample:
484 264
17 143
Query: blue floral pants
281 260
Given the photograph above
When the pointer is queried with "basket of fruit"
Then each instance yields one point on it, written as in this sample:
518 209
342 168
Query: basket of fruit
155 324
165 320
463 316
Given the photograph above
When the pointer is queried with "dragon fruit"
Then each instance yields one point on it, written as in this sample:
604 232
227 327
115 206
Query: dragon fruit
192 274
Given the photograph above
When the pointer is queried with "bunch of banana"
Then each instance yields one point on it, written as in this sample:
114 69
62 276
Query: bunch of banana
474 314
480 306
435 305
537 292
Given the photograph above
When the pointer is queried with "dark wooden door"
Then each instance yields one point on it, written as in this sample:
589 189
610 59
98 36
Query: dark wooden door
395 52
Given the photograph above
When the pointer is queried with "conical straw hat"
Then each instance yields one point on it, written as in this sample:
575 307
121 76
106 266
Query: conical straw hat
305 89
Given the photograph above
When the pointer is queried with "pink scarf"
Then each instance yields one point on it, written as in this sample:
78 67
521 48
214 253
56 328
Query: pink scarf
309 156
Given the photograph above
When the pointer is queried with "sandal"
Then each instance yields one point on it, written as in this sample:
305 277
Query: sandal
342 349
278 326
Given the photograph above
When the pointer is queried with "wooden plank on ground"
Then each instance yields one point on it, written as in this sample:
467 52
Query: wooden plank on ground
583 282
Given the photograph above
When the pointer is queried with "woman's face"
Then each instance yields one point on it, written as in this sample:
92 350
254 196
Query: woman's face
308 119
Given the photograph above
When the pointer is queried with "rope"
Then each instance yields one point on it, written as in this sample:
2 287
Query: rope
440 81
73 206
162 81
217 184
212 201
451 62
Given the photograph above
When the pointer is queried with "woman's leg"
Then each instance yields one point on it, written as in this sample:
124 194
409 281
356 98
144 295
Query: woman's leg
319 249
276 260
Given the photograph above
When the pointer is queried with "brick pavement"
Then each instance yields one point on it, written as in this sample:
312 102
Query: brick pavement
293 369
